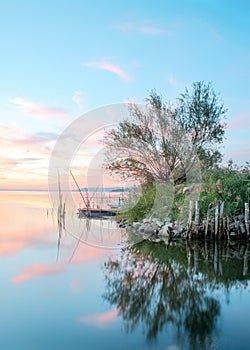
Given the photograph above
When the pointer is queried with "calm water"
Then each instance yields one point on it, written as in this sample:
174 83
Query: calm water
76 295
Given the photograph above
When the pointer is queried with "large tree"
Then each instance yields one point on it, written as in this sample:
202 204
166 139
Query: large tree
201 114
160 142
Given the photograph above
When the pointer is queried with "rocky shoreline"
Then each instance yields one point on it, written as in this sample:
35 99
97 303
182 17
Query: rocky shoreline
156 230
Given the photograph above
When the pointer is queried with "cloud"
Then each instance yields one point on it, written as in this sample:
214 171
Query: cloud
36 110
240 155
77 98
100 320
110 67
240 122
24 156
145 29
37 270
16 143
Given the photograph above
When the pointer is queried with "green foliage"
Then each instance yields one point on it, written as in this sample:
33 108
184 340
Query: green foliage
230 184
138 206
200 112
153 199
162 141
177 204
149 147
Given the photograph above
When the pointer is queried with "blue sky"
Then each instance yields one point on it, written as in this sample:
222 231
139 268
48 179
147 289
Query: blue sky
60 59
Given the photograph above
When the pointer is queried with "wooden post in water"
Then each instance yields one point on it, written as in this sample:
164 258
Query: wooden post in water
245 261
215 257
224 225
221 228
189 257
216 219
196 258
228 228
247 218
190 216
208 216
197 217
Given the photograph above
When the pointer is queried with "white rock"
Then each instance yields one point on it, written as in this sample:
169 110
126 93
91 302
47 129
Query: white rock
157 222
141 228
164 231
149 229
136 225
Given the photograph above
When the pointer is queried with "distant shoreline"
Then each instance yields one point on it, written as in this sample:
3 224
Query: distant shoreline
107 189
21 190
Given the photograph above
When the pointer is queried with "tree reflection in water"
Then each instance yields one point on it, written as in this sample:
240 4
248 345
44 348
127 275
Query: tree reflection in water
158 288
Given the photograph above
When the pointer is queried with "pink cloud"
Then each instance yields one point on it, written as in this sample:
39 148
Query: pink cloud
100 320
11 247
13 136
37 270
78 98
37 110
242 154
241 122
113 68
88 253
17 237
24 155
145 29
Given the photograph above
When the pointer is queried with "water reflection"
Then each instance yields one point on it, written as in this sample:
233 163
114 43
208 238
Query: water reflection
175 295
22 225
158 289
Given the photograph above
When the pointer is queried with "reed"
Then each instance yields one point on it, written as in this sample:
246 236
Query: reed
61 213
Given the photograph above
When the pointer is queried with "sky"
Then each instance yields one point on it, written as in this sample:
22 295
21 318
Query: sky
62 59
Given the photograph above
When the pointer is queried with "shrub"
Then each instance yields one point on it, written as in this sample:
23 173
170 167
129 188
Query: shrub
230 184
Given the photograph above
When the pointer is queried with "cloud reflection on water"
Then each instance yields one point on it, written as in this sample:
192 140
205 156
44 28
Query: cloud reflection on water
100 320
37 270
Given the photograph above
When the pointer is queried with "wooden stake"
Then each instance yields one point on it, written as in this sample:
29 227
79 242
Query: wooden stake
216 218
207 221
220 219
228 228
245 261
197 217
215 257
190 213
224 225
190 216
247 218
86 201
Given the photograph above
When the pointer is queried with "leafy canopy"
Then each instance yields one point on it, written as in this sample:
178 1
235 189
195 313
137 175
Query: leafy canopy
162 143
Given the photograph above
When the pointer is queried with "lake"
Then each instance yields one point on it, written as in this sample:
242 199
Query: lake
86 286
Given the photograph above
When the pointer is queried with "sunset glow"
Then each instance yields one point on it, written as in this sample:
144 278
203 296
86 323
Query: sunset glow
47 82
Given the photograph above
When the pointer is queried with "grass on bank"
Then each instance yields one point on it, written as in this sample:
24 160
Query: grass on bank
230 184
